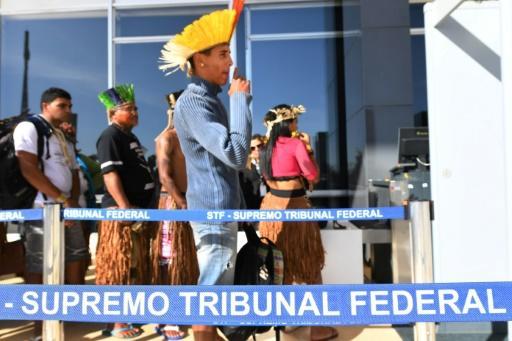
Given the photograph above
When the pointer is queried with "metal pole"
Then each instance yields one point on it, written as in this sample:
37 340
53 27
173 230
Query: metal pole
53 263
111 49
422 261
506 79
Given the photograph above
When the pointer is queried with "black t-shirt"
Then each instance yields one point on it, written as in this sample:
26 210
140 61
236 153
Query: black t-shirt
121 152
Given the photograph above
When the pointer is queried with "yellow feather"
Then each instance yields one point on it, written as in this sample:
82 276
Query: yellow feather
209 30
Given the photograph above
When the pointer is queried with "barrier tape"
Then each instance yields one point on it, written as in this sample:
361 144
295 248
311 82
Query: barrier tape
19 215
375 213
261 305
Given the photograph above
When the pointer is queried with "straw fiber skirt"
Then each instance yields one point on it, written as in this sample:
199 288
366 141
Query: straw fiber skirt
182 266
123 254
300 242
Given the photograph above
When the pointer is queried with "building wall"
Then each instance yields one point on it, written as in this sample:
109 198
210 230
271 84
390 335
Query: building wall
466 122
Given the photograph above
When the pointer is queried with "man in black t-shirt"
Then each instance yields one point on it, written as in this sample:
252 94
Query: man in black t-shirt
123 250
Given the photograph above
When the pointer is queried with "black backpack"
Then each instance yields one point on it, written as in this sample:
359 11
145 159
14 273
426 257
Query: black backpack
15 191
257 263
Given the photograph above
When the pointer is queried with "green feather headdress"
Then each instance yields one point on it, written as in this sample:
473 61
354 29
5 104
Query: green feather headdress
118 95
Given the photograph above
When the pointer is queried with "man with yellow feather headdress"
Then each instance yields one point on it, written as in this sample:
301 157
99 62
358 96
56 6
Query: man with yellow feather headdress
215 143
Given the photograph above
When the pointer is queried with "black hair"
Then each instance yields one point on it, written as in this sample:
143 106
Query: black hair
257 136
51 94
278 129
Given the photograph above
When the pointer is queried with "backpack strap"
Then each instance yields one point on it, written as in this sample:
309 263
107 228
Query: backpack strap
250 233
44 131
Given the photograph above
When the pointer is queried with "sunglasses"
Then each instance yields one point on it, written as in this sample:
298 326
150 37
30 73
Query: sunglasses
259 146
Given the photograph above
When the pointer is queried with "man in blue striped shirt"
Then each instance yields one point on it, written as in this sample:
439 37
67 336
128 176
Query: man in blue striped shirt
216 146
215 143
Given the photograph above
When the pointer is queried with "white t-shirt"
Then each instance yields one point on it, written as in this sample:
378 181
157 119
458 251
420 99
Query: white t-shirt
55 167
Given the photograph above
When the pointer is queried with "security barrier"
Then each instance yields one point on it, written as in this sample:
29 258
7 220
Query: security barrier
247 305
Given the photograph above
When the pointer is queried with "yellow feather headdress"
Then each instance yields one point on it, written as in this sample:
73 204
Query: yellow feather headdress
211 29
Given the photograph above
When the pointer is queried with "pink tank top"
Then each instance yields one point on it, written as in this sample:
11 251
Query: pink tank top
290 158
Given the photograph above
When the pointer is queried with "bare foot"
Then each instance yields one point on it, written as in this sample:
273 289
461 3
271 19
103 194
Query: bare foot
173 332
323 333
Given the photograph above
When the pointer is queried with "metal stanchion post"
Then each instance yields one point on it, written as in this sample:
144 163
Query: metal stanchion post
53 264
422 263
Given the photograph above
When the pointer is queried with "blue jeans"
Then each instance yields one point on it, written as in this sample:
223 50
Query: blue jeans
216 252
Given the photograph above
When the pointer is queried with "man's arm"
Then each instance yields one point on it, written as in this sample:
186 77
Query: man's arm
115 188
29 166
75 188
229 144
163 159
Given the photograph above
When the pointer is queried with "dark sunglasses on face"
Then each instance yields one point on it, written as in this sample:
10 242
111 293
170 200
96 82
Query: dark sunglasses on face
259 146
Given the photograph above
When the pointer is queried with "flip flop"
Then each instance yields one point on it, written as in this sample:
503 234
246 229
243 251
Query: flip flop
118 332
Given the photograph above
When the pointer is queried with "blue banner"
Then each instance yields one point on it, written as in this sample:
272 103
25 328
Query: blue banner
21 215
374 213
261 305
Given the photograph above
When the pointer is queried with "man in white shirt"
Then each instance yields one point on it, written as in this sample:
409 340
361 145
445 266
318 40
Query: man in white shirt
55 176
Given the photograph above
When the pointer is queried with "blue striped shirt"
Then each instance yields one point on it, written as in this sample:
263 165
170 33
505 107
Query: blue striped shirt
215 144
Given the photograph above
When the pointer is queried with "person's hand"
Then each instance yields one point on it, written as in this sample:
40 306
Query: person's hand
126 207
181 203
239 84
304 137
71 203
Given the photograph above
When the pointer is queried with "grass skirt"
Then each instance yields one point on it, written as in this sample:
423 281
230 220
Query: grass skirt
182 268
300 242
123 255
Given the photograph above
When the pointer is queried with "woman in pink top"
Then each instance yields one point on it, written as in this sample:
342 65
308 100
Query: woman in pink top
285 162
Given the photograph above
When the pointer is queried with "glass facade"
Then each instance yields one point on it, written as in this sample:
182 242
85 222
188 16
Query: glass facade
157 21
70 53
297 53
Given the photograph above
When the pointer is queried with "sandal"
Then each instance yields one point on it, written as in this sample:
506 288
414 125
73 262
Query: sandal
126 332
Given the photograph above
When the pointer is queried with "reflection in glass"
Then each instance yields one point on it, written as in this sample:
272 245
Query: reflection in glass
67 53
158 21
419 73
292 20
303 72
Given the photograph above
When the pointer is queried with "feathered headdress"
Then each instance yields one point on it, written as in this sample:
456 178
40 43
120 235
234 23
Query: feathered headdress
117 96
283 114
209 30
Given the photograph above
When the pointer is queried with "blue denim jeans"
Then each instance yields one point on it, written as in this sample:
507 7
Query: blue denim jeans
216 252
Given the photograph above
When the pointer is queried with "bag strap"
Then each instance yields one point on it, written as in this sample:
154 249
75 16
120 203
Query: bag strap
44 131
250 233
